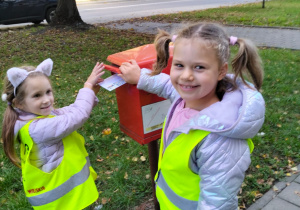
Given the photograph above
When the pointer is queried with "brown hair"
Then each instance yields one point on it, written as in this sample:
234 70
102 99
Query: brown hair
247 57
11 116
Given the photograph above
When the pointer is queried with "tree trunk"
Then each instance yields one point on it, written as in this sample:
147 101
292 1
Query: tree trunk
66 14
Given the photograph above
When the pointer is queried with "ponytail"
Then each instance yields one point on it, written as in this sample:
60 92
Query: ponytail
9 120
247 58
161 42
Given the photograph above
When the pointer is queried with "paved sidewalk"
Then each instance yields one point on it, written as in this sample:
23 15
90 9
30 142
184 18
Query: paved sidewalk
284 195
262 36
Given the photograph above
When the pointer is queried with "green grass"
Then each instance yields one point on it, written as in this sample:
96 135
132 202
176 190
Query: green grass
283 13
74 55
113 156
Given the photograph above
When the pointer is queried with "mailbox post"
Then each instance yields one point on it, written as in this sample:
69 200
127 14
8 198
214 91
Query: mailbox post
141 114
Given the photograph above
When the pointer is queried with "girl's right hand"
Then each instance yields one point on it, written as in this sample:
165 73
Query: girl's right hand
95 78
131 72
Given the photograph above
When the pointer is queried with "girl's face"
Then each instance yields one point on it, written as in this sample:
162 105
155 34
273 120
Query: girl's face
38 96
195 72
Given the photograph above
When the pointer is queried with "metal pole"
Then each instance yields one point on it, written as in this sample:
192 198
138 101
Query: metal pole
263 6
153 160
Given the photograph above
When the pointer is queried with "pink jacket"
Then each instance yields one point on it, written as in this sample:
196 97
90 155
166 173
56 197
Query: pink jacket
47 133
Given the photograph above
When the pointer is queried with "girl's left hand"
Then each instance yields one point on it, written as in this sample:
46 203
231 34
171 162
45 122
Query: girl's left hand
95 78
131 72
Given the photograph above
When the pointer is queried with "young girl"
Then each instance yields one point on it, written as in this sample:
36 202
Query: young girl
205 146
56 171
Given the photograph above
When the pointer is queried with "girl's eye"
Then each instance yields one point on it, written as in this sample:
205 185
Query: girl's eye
178 65
49 91
199 67
36 95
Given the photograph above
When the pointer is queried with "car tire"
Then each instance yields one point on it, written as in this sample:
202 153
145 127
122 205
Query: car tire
50 14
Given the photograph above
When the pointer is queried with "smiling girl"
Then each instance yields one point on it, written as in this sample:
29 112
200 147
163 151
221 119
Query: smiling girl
56 170
205 146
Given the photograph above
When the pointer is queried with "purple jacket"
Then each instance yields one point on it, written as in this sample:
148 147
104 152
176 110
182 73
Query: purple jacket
221 158
47 133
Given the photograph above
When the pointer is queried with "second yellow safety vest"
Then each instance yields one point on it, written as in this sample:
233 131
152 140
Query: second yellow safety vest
177 186
70 186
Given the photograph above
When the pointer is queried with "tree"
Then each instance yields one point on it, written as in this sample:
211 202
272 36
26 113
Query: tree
66 14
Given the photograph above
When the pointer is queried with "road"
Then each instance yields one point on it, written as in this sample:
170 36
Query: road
101 11
110 10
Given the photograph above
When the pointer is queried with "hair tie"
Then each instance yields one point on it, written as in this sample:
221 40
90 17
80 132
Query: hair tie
4 97
233 40
174 38
16 75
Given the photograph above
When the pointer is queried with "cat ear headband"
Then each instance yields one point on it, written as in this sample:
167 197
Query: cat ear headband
16 75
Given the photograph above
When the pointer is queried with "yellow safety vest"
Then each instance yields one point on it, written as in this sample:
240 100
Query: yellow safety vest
177 187
70 186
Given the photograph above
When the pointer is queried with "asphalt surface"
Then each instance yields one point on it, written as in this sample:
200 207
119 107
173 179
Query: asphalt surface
288 38
284 195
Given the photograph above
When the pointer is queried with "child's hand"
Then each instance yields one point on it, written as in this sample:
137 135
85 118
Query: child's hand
95 78
131 72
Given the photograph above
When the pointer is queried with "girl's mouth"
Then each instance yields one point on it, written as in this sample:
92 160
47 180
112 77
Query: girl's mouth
46 107
188 87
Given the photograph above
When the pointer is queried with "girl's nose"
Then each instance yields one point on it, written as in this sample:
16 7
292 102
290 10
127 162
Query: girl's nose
46 99
187 74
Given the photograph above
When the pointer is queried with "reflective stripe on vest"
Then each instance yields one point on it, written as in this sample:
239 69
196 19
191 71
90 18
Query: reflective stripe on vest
61 190
69 186
175 199
177 187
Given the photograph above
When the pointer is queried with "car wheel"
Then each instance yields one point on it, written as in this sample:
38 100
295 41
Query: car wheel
50 14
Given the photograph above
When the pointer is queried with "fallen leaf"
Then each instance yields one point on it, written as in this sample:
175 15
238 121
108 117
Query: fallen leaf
143 158
270 181
294 169
126 175
92 138
275 189
260 181
105 201
108 172
258 195
147 176
134 159
106 131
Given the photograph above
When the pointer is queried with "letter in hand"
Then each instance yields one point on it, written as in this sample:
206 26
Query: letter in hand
131 72
95 78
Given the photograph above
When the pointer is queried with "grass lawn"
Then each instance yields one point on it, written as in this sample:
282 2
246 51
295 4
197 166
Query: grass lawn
280 13
123 176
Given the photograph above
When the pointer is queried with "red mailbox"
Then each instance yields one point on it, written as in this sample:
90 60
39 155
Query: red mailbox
141 113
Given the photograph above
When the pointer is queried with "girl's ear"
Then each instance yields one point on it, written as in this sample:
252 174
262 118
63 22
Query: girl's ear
16 104
223 71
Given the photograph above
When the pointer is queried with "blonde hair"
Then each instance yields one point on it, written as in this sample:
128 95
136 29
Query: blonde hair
11 116
247 57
